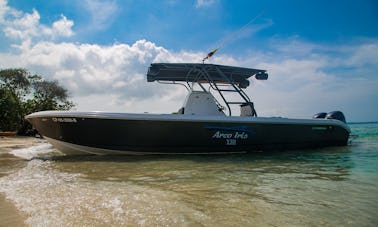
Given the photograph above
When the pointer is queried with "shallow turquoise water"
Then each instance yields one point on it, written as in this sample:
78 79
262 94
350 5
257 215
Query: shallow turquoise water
329 186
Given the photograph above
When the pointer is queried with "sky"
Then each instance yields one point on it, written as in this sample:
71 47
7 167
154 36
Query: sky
320 55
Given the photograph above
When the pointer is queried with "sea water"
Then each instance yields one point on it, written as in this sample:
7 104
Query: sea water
336 186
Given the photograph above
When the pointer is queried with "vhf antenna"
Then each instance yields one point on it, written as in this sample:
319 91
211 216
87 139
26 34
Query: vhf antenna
230 38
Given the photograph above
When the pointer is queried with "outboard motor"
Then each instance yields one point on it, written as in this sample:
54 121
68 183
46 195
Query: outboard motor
321 115
338 115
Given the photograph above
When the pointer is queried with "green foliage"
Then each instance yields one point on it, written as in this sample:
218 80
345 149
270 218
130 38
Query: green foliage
22 94
16 80
10 110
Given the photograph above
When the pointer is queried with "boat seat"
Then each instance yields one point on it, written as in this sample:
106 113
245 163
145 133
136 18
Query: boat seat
201 103
247 109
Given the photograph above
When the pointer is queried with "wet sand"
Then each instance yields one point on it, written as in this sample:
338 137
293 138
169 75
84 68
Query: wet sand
9 214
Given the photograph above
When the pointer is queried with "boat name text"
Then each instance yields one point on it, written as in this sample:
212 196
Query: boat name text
233 135
64 119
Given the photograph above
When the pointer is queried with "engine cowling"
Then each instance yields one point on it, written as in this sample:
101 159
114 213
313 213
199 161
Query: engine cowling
337 115
321 115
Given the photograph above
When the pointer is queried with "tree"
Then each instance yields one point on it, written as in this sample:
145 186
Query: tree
15 80
49 95
10 110
22 93
14 86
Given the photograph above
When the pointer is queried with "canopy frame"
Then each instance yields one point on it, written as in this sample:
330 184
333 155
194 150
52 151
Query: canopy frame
214 75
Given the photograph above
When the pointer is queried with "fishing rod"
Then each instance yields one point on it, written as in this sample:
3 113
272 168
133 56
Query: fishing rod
230 38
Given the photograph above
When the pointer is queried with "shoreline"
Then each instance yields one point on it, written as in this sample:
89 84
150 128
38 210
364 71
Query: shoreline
10 215
17 142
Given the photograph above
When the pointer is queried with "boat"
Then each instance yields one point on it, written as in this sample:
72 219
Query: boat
204 125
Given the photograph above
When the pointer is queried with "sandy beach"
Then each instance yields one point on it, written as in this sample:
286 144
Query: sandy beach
9 214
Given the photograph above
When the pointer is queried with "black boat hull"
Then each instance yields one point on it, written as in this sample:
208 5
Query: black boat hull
105 133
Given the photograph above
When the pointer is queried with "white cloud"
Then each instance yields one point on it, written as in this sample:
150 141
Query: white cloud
4 10
91 71
115 77
365 55
101 12
63 27
112 78
306 78
23 27
26 27
204 3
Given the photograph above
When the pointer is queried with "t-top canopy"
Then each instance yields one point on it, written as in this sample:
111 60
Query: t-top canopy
203 73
